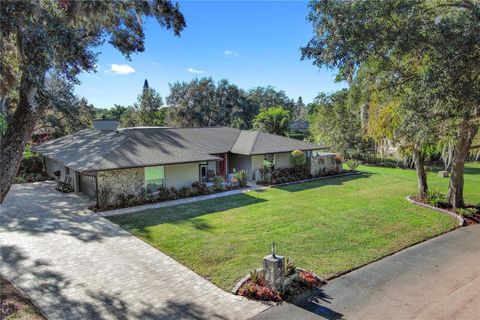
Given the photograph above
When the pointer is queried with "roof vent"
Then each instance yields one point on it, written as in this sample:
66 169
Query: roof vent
105 124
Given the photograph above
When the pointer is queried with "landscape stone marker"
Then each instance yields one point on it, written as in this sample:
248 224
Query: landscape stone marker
274 269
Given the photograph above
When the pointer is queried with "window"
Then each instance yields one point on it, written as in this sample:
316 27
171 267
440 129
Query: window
67 170
269 160
154 178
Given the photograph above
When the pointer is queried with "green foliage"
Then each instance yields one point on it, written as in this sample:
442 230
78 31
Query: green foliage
184 192
414 91
352 164
467 212
241 176
267 97
3 124
104 195
290 266
336 121
218 183
272 120
200 188
436 198
257 277
216 235
298 159
203 102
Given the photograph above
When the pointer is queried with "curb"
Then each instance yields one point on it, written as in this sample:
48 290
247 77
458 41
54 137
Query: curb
460 219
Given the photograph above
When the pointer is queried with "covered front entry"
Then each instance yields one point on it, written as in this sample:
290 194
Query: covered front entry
222 167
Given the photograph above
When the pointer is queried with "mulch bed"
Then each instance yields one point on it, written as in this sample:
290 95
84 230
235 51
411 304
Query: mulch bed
14 304
468 220
94 208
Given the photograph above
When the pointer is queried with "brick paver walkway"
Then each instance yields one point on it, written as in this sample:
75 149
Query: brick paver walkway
77 265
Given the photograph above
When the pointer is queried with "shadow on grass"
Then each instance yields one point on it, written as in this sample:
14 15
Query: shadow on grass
185 214
472 170
301 186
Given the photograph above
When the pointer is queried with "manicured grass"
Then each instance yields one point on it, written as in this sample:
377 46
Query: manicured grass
328 226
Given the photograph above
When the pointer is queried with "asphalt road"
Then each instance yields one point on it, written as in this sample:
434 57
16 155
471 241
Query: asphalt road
437 279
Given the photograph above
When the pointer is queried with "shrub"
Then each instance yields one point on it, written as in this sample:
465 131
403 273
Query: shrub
289 267
257 277
258 292
436 198
104 194
184 192
466 212
289 175
200 188
308 279
265 175
172 193
297 158
122 200
32 164
352 164
163 193
218 183
241 176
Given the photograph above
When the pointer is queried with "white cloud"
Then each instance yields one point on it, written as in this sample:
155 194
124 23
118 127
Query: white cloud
121 69
231 53
192 70
157 65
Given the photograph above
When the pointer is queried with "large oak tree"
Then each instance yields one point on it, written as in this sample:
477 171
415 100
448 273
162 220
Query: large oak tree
40 37
443 35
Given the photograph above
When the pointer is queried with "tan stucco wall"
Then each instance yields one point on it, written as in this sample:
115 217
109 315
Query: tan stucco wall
181 175
324 163
240 162
51 166
257 163
282 160
212 165
128 181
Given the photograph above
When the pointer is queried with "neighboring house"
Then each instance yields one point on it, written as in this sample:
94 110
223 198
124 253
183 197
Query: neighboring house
132 159
298 129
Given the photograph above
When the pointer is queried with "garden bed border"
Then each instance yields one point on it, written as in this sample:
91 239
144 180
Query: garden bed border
338 175
461 220
247 277
171 203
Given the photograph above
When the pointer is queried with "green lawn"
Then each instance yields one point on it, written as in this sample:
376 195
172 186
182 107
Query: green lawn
328 226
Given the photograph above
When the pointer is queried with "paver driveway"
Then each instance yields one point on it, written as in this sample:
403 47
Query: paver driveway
77 265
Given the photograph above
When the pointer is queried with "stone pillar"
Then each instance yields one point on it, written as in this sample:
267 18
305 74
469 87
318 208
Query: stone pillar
274 269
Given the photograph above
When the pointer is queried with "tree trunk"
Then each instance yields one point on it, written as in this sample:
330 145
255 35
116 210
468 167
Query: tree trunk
421 173
19 130
460 151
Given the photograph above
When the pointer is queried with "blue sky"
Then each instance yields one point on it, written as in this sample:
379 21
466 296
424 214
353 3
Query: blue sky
249 43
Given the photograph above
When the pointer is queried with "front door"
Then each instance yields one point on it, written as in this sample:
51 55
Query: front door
203 172
222 164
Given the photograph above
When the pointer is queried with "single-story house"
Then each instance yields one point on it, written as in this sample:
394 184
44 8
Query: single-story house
298 129
130 160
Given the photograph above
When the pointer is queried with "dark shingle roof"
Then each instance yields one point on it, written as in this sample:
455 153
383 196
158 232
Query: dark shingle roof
298 125
94 150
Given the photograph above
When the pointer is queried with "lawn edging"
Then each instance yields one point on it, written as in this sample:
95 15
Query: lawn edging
176 202
461 220
339 175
